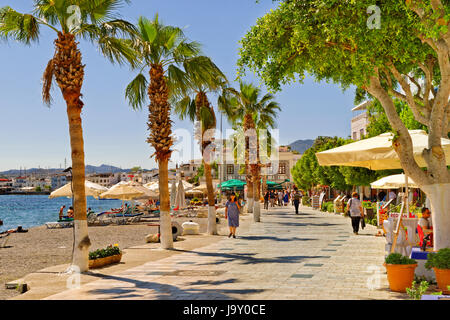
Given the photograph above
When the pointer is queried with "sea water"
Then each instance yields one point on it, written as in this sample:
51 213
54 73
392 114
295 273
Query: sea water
35 210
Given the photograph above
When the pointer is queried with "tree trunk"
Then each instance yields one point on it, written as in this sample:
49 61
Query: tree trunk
82 242
164 198
256 193
160 138
249 194
212 225
439 195
68 71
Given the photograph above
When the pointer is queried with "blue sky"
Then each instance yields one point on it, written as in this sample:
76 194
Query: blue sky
34 135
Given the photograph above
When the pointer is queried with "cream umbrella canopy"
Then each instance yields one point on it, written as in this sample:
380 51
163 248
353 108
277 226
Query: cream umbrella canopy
377 153
395 181
127 191
91 189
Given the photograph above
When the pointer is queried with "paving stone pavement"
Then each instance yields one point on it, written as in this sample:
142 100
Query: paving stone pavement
313 255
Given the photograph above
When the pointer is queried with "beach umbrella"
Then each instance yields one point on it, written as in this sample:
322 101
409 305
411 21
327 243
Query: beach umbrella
173 193
202 188
91 189
180 197
153 186
127 191
232 183
377 153
395 181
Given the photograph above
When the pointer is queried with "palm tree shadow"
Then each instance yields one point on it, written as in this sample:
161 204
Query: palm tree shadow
166 291
248 258
275 238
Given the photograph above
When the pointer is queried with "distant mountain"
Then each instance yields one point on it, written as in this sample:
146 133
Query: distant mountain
301 145
89 170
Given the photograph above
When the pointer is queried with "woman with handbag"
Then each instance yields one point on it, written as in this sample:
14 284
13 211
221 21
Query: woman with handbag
355 210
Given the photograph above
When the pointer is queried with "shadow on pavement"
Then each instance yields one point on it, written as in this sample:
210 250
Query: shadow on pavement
274 238
165 291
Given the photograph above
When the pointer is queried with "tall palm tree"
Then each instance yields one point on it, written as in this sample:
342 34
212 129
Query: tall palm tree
247 109
162 49
204 77
98 23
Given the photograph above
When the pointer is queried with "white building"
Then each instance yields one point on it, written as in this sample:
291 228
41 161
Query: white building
360 120
106 180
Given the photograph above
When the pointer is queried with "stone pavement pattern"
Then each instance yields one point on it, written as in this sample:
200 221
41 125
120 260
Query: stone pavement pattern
313 255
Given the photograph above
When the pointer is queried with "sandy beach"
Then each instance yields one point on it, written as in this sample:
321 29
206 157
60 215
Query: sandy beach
41 247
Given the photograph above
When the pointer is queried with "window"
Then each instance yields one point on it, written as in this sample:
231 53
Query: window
230 169
354 136
282 168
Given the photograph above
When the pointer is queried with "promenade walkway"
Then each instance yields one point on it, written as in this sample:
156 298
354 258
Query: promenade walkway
313 255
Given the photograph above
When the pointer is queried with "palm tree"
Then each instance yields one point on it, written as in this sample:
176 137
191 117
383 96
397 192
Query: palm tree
97 23
163 49
204 77
248 110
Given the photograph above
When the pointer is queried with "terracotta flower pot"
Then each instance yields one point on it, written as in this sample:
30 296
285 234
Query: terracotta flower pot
101 262
400 276
443 279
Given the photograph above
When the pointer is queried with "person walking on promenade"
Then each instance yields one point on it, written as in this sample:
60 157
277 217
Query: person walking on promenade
272 198
232 209
286 198
280 198
296 200
266 200
356 211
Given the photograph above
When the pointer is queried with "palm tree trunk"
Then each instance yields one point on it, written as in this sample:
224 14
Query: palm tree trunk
212 225
164 198
160 127
82 242
69 73
256 193
201 101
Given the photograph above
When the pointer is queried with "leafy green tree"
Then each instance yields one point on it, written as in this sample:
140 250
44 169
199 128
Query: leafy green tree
98 23
402 51
379 123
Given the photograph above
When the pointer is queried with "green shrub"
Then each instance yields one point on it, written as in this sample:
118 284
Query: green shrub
439 260
330 207
306 201
415 293
372 222
103 253
397 258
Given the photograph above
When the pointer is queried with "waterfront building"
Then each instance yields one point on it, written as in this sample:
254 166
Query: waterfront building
360 120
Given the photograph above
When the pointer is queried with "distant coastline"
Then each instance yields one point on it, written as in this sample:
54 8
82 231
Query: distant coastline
24 193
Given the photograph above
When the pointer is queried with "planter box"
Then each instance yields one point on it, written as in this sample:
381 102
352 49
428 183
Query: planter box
101 262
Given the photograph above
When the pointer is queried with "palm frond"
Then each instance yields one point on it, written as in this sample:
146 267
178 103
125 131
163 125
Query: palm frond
177 81
118 50
21 27
100 11
136 92
186 108
47 82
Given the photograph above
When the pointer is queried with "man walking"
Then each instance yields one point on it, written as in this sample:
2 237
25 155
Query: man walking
296 199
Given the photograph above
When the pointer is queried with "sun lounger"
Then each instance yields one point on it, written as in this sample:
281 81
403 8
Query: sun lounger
59 225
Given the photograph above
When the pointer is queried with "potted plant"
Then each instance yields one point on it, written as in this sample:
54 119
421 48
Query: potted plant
102 257
400 271
440 262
